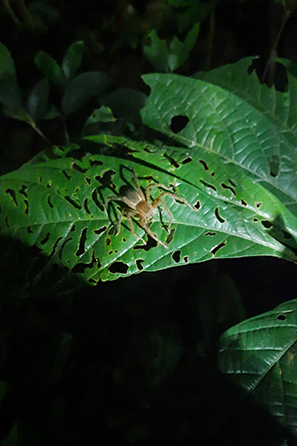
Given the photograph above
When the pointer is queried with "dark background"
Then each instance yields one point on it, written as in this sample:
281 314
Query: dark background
131 361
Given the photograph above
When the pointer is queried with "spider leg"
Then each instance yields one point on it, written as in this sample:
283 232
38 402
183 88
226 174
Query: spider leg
155 204
177 198
150 233
130 223
137 187
120 222
150 186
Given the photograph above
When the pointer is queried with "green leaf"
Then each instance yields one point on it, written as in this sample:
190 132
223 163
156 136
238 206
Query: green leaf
169 59
278 111
157 52
83 88
260 355
220 168
179 51
10 94
228 128
103 114
38 100
73 58
49 67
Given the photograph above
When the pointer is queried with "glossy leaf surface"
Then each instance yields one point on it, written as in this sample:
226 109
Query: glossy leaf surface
260 355
60 204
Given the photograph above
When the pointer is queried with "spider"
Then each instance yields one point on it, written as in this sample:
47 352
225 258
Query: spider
139 205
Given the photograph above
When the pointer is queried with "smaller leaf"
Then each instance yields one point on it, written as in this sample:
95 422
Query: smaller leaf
83 88
168 60
73 58
38 100
102 114
157 52
50 68
179 51
260 354
10 94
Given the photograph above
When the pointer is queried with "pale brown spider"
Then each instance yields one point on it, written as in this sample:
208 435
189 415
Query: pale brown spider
139 206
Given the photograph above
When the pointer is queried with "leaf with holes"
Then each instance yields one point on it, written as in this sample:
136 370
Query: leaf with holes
241 134
61 204
260 355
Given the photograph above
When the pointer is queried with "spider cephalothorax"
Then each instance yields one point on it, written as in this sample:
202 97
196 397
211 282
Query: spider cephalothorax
139 205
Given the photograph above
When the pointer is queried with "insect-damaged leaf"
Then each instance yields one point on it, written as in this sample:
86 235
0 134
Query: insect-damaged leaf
60 204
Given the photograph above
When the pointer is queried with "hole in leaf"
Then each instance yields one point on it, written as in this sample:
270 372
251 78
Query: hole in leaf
186 259
55 246
258 204
224 186
178 123
119 267
255 220
170 236
95 195
74 203
106 178
110 252
68 176
286 234
208 185
49 202
204 164
107 241
23 190
12 193
46 238
210 233
29 230
26 203
218 216
232 183
139 264
187 160
81 267
171 160
63 246
49 184
86 206
197 205
176 256
88 180
100 230
82 241
94 162
244 203
281 317
217 248
80 169
266 224
274 165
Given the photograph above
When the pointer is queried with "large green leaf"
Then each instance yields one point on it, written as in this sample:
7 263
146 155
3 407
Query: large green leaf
279 108
60 204
254 131
260 355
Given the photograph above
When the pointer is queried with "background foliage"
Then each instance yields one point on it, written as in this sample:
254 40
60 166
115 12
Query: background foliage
126 361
